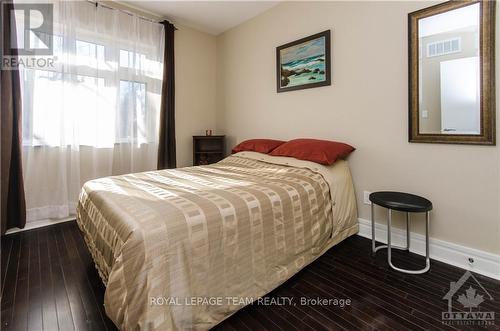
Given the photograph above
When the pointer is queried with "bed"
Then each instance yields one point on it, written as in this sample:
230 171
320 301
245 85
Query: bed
174 248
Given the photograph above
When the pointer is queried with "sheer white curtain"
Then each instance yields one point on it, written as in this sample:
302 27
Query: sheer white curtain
95 113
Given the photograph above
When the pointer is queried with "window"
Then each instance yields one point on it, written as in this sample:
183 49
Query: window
44 93
132 111
132 60
88 53
96 95
444 47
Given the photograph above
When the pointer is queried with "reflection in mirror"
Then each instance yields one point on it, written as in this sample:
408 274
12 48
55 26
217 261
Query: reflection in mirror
449 72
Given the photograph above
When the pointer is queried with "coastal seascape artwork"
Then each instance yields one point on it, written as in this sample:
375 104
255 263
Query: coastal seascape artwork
304 63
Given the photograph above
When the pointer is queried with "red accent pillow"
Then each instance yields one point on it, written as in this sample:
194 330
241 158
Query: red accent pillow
319 151
257 145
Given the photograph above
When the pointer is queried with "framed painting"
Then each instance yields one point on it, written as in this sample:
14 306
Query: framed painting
304 63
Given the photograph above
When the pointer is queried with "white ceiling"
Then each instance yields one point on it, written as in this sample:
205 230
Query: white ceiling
213 17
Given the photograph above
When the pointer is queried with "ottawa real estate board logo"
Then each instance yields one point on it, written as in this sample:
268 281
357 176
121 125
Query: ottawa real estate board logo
469 294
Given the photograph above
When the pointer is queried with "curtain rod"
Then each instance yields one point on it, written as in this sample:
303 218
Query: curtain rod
128 12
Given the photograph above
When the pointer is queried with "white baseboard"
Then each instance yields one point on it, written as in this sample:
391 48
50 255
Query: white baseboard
40 224
485 263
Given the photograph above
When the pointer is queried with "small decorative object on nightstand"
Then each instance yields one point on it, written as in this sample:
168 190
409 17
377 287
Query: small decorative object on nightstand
408 203
208 149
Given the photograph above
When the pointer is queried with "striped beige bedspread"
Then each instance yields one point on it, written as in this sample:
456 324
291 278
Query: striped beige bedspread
175 247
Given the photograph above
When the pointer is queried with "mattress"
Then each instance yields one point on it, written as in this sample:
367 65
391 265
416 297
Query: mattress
184 249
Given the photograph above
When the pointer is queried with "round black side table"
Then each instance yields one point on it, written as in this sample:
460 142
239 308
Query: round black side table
408 203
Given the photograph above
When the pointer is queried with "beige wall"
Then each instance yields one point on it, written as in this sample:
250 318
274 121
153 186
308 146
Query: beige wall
366 106
195 76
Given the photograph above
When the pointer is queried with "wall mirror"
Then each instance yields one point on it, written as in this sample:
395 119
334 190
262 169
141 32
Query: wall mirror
452 74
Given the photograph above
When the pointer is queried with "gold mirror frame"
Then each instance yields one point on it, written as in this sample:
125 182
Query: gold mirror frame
487 69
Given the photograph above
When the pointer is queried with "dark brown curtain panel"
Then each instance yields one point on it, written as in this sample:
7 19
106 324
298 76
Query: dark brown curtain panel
166 146
13 205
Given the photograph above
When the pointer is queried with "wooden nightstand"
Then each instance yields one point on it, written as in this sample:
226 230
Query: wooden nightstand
208 149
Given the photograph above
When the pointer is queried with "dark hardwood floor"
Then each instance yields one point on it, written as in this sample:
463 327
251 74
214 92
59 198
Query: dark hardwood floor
49 282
